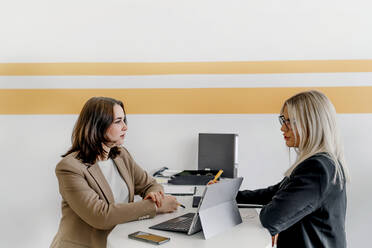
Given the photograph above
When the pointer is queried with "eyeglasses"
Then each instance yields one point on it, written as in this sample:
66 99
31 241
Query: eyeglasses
286 122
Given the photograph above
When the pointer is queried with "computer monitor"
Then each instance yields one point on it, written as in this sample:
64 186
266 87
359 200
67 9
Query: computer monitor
218 151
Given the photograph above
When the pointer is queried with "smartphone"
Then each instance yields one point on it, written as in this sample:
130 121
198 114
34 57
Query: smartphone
148 237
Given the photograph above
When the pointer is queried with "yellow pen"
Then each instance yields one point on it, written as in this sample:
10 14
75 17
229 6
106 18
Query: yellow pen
217 176
180 205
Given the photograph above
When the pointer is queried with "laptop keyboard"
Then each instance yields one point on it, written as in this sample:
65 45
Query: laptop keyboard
179 224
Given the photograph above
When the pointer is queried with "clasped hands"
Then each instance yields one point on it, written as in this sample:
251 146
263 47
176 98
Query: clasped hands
163 203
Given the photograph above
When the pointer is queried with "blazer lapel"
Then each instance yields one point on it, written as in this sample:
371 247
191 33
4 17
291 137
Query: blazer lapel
98 176
123 170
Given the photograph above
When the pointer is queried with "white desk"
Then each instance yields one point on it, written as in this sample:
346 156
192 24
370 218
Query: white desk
250 233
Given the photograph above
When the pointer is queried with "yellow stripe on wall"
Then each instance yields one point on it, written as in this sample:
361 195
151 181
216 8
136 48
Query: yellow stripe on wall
178 101
250 67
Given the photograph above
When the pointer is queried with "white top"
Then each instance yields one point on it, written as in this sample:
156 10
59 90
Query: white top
117 184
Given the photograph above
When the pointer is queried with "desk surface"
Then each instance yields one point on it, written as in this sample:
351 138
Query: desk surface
250 232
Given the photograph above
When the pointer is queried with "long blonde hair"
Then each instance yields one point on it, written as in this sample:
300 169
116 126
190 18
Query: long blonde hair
314 117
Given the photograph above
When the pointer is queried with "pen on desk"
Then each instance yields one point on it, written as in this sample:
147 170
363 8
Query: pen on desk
180 205
217 176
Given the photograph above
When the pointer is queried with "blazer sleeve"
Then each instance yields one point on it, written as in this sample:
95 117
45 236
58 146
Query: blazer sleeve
302 194
259 196
143 182
90 207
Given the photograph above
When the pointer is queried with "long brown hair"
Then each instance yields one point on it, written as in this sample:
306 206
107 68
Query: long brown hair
90 128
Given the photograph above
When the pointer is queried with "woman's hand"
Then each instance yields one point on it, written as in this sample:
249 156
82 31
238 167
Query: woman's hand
169 205
210 182
156 197
274 239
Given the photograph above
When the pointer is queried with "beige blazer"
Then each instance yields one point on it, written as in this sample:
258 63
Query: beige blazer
89 212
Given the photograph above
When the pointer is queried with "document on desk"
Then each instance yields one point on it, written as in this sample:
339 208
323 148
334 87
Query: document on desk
169 173
179 189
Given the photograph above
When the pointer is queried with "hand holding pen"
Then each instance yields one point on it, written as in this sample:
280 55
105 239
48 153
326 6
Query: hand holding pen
210 182
215 177
219 173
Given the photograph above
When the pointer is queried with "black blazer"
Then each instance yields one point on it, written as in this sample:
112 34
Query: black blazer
307 209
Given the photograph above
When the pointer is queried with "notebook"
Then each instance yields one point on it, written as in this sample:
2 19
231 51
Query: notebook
179 189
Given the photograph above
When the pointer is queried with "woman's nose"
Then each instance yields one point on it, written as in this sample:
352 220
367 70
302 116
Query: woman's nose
283 128
125 127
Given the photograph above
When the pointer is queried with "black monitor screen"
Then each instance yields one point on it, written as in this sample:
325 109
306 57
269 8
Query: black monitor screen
218 151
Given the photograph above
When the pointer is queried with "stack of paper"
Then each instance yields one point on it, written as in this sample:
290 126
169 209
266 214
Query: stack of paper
179 190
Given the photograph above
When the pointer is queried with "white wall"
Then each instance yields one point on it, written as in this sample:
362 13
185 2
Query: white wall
171 30
31 146
193 30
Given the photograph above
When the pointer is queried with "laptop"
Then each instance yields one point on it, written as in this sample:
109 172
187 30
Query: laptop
217 211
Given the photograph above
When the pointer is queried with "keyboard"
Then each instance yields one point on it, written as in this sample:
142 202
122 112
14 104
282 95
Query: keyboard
178 224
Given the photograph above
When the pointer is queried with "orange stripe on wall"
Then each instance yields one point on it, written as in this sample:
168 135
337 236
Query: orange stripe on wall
250 67
178 101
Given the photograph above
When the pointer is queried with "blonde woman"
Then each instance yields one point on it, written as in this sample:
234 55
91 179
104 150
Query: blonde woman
307 208
98 179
